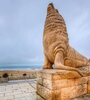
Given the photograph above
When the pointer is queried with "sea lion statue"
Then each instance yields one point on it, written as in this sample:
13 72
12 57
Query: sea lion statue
57 50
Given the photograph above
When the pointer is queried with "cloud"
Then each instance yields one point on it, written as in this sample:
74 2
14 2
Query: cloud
2 21
79 33
22 23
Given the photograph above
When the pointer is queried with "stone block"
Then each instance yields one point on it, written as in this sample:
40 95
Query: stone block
48 94
53 74
63 94
58 84
61 85
73 92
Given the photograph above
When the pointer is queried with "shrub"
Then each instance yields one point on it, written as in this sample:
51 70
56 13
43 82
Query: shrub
5 75
24 74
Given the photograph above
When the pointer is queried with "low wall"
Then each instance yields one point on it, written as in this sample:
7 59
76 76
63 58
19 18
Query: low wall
19 74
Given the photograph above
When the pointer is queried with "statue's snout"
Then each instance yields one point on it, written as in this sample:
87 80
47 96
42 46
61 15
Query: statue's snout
50 7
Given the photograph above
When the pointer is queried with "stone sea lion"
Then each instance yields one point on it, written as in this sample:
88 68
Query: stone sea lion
57 50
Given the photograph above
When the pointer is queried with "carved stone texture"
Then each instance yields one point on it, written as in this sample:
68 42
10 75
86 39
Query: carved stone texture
88 85
57 50
61 85
85 70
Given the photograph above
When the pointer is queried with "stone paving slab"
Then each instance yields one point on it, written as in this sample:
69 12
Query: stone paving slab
18 90
24 90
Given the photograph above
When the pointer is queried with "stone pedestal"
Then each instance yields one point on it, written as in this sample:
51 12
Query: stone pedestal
61 85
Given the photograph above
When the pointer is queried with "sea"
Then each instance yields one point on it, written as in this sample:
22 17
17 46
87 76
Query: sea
14 67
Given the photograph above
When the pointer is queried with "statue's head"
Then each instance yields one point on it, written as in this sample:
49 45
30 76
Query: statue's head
51 8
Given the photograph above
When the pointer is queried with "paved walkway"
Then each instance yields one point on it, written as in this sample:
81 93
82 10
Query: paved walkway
18 90
23 90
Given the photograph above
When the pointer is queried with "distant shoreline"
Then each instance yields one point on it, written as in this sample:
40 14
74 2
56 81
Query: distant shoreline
19 69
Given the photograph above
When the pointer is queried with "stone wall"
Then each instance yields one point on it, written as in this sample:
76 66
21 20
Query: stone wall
63 85
19 74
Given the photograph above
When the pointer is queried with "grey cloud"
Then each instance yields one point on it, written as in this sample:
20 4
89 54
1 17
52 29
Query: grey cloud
22 23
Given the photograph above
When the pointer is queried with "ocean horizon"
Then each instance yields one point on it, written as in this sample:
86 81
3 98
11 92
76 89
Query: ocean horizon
9 67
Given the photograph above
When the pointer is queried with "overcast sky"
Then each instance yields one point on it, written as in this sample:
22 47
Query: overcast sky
22 23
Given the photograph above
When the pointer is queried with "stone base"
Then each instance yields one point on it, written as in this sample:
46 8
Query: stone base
62 85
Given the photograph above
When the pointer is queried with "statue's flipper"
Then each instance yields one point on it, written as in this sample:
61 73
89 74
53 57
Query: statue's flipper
59 63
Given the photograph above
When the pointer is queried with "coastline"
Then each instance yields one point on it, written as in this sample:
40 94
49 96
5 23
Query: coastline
19 69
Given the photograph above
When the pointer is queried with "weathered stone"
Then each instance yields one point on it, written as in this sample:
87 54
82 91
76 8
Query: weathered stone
39 97
60 88
57 50
84 97
85 70
88 78
55 74
72 92
88 85
48 94
66 83
62 94
44 92
19 74
58 84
